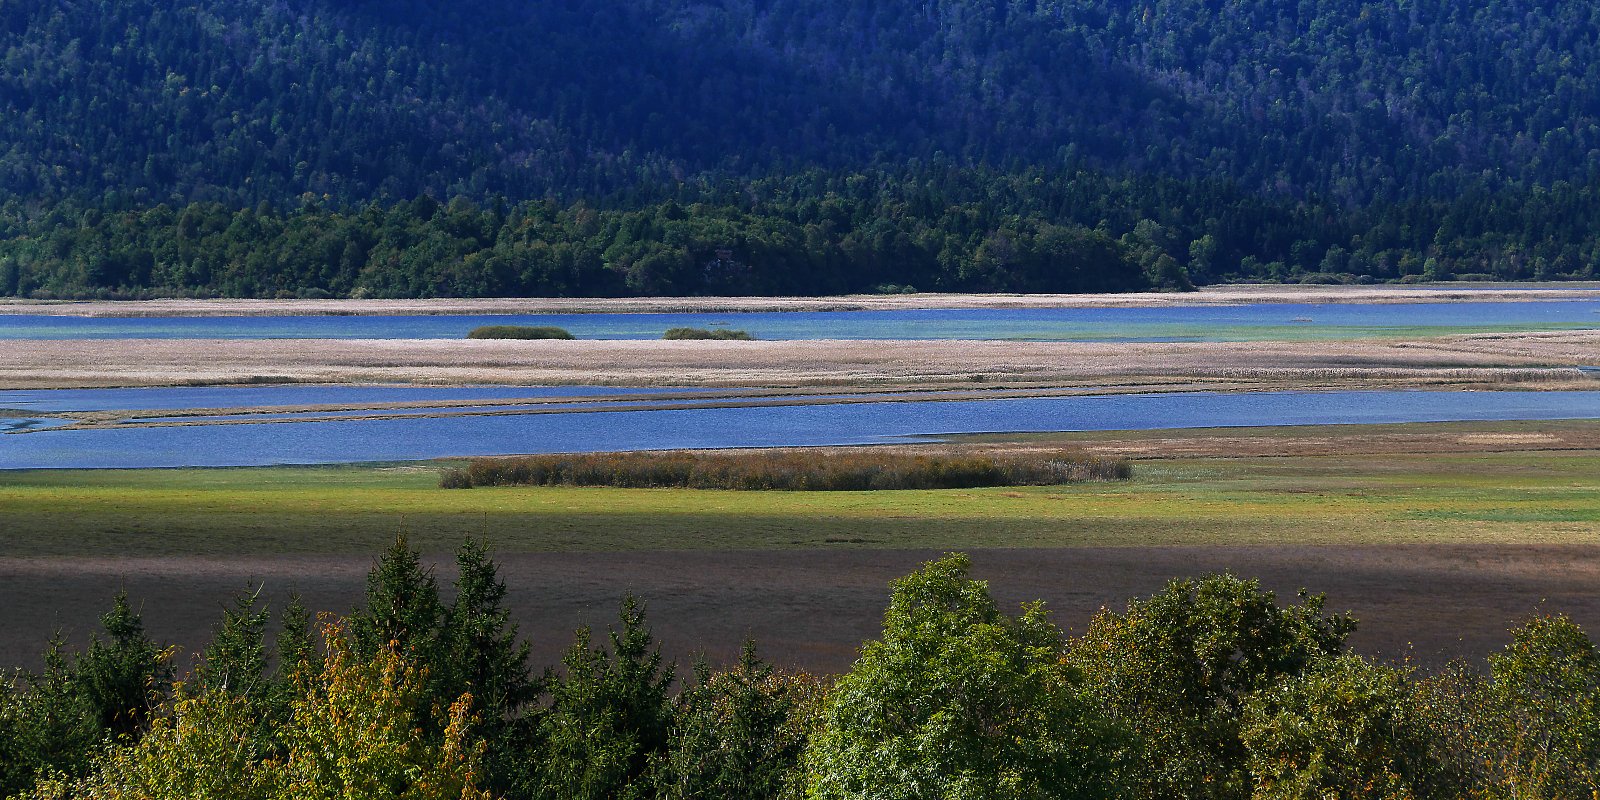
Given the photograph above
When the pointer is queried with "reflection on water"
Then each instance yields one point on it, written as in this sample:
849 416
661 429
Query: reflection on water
767 426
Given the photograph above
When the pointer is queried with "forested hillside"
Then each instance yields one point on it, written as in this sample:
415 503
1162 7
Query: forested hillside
1340 122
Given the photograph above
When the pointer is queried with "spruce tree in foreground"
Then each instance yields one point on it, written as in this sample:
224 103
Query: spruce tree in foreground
52 723
740 733
609 718
402 609
481 656
355 732
236 661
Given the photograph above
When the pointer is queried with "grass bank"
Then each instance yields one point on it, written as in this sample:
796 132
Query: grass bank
1468 498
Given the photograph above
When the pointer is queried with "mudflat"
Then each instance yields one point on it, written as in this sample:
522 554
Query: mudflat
812 609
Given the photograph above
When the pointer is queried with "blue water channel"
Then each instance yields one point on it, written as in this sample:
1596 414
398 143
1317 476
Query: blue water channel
864 423
1175 323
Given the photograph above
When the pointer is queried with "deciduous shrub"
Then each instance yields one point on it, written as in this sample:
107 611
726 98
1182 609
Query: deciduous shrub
1344 728
1530 728
959 701
1179 667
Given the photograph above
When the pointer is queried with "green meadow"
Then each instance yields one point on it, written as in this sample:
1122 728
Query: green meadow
1324 500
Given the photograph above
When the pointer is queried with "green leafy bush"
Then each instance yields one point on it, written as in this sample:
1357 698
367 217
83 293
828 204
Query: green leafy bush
1180 666
1344 728
959 701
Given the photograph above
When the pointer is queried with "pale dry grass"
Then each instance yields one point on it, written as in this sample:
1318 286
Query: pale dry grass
1525 360
1212 295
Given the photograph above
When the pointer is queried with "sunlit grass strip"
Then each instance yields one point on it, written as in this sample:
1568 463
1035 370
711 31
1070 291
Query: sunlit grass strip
518 332
787 470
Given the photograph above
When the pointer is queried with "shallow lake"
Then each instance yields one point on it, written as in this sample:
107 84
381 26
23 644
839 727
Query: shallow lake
1178 323
865 423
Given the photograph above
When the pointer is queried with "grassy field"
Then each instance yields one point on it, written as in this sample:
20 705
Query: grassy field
1466 498
1386 519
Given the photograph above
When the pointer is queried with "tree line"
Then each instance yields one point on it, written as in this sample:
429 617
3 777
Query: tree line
928 228
1211 688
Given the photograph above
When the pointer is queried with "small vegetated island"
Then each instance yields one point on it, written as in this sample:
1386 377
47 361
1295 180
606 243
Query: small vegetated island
786 470
719 334
519 332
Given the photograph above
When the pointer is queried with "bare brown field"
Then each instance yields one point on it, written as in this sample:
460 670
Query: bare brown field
811 609
1525 360
1211 295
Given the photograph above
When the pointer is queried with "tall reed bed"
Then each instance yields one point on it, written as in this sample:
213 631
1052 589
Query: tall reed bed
719 334
787 470
518 332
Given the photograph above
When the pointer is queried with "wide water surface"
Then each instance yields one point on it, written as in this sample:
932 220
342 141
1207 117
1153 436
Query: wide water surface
1177 323
863 423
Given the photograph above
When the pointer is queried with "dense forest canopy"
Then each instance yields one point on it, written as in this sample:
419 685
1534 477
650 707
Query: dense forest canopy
1249 139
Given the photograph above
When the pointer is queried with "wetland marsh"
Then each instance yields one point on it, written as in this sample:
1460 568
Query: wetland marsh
1498 512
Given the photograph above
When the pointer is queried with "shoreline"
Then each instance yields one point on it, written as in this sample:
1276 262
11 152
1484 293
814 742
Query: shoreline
1224 295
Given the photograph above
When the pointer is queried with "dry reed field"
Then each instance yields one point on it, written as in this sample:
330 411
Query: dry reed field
1524 360
843 469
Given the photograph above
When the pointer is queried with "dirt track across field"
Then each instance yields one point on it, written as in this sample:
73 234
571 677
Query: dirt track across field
812 609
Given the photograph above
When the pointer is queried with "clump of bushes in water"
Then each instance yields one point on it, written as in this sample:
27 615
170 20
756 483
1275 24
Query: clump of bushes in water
519 332
785 471
722 334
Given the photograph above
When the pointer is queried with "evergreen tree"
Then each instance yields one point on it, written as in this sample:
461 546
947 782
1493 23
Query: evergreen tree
402 610
482 657
124 676
236 661
740 733
297 649
609 716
